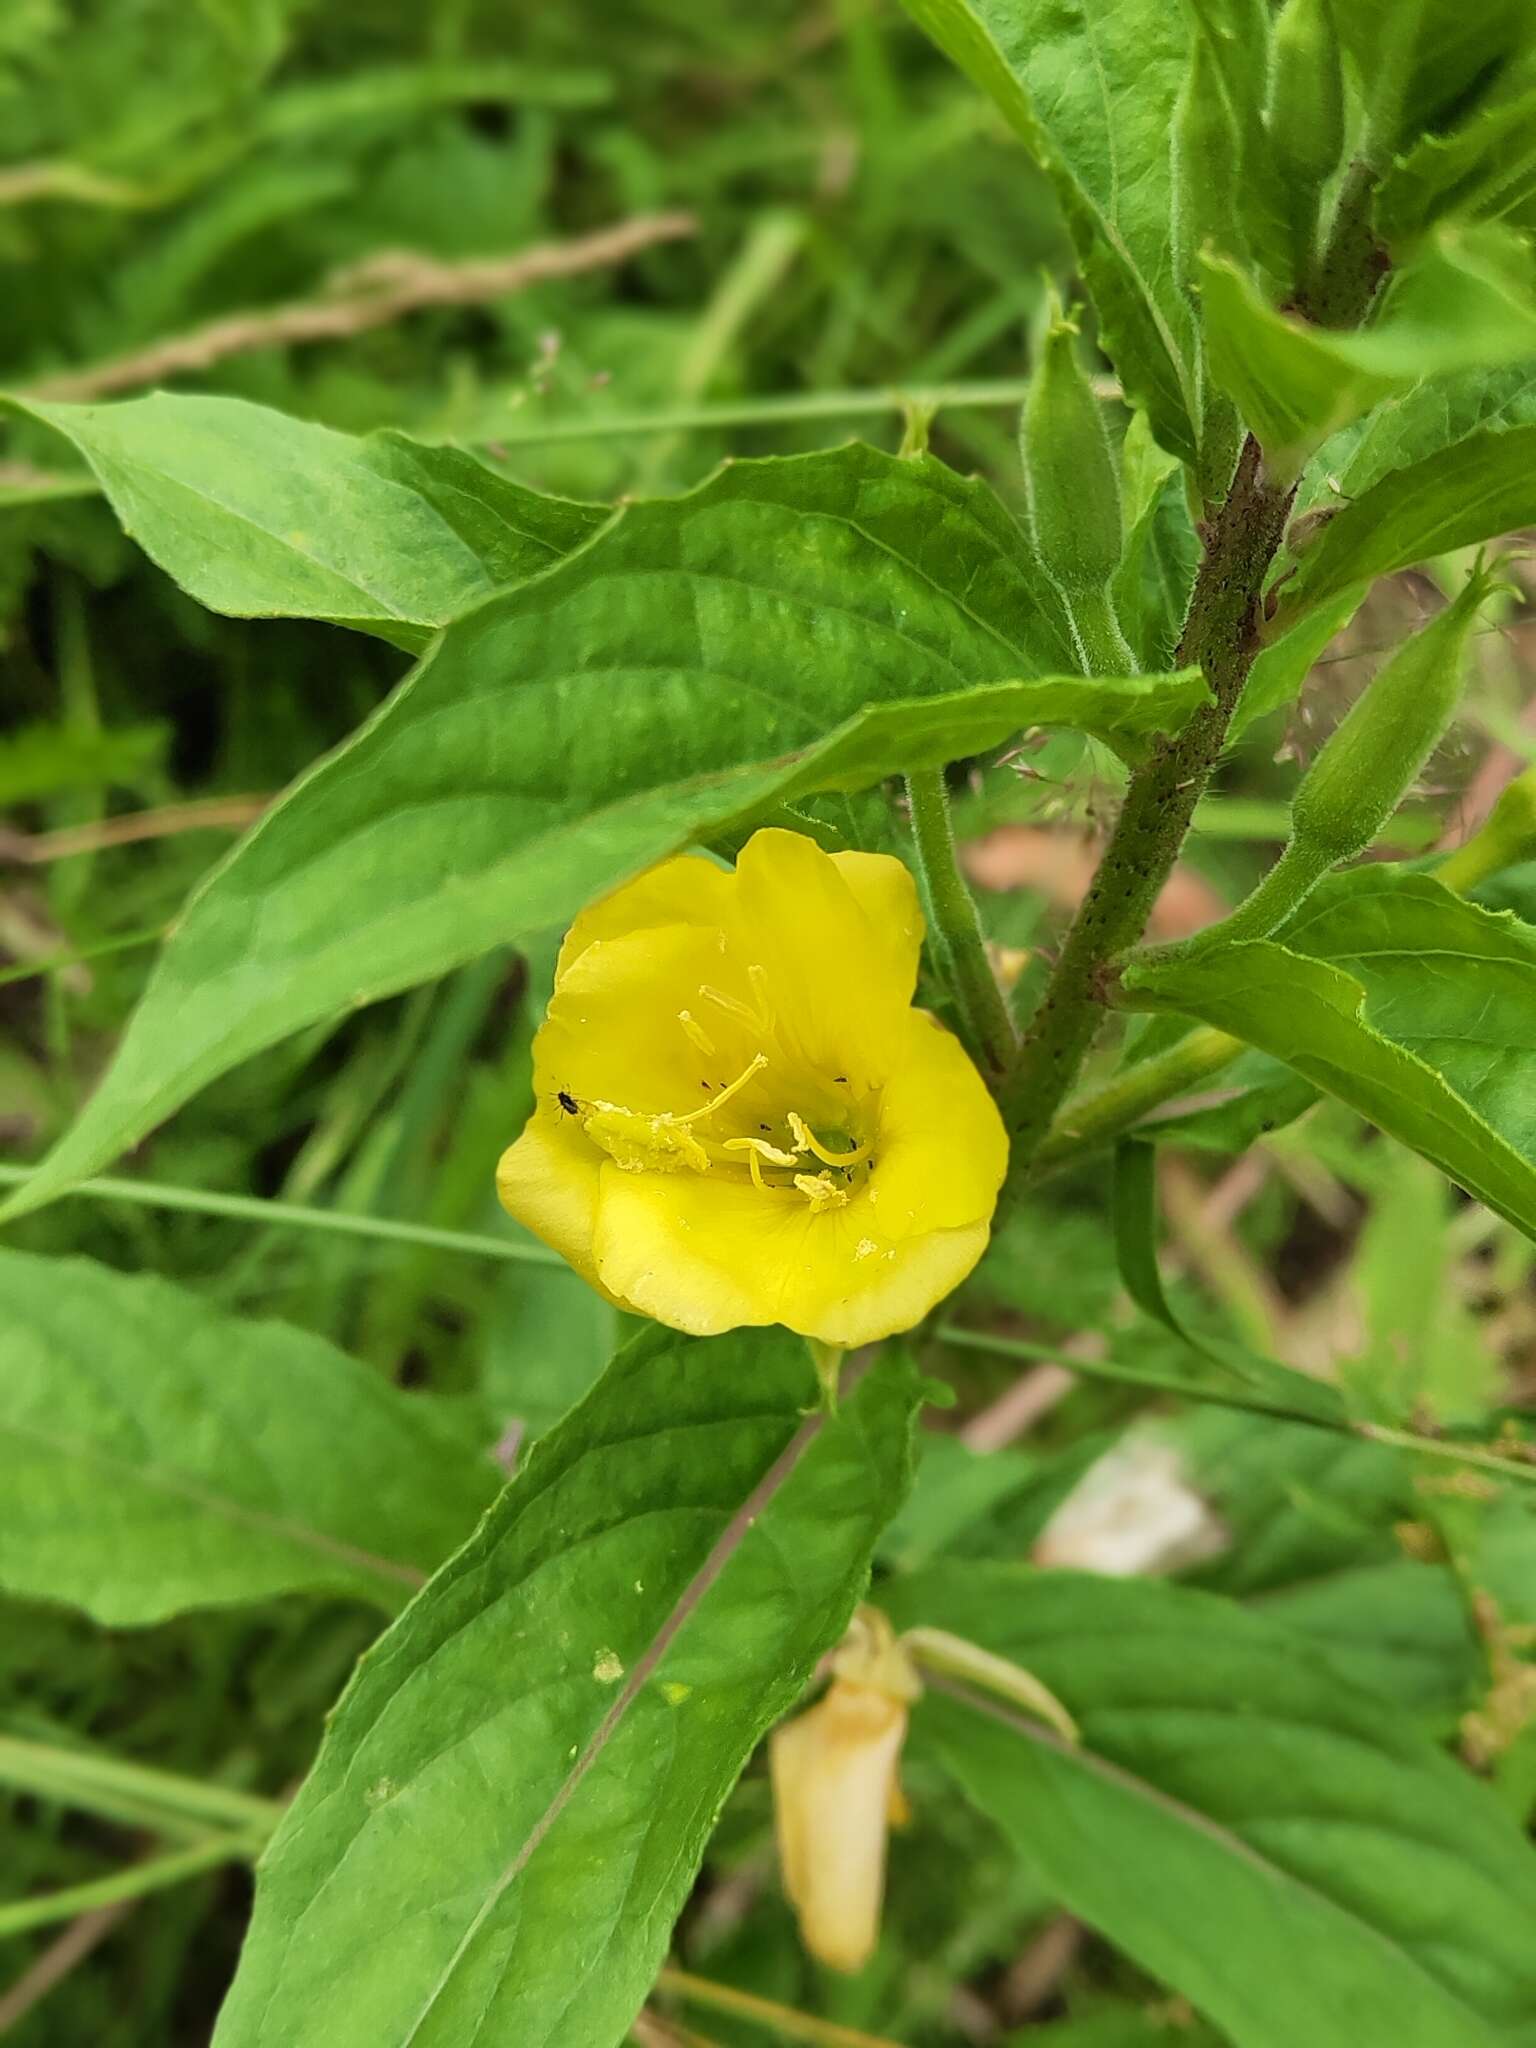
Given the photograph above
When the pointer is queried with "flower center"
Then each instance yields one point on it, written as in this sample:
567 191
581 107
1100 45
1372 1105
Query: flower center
820 1163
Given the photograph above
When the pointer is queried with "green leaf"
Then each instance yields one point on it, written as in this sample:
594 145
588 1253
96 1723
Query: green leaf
1403 1627
1284 664
1091 91
1235 1801
1474 490
1420 61
1467 301
1419 424
40 760
1478 170
670 682
1416 1008
517 1789
156 1455
1425 1353
262 516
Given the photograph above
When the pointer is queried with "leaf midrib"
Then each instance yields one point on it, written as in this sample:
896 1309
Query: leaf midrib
156 1479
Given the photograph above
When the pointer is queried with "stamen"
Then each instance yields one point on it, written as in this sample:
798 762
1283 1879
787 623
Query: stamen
733 1006
758 1149
821 1191
758 1062
806 1140
697 1034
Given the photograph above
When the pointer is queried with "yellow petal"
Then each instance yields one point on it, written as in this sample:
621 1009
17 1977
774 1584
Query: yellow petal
615 1032
685 890
549 1181
887 895
942 1150
834 1783
837 983
704 1255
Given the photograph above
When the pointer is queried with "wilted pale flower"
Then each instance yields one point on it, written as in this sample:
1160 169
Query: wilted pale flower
836 1790
1133 1511
740 1117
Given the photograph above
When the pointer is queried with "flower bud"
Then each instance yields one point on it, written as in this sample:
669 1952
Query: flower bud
1070 475
836 1791
1305 115
1374 757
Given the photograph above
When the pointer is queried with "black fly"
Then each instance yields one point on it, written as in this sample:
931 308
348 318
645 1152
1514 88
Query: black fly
567 1102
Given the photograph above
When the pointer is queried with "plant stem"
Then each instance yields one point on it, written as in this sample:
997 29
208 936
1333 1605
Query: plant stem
786 409
782 2019
149 1194
1098 1115
1484 1457
56 963
132 1882
955 928
1221 636
104 1784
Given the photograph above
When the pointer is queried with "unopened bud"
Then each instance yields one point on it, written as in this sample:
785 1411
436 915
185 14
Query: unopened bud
1070 475
1305 115
1373 758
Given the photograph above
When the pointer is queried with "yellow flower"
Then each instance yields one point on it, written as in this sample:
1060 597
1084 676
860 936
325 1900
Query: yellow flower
740 1118
836 1790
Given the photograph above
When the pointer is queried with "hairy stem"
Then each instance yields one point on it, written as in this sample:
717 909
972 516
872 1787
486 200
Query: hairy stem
1099 1115
955 928
1221 636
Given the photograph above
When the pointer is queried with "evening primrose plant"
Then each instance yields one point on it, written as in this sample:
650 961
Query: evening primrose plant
674 1574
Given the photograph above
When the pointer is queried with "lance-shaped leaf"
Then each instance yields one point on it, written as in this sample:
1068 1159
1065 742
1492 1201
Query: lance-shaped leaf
517 1789
1241 1820
1474 490
1466 301
263 516
1414 1007
666 683
156 1455
1091 91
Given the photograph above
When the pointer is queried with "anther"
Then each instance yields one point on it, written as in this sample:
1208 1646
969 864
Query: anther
697 1035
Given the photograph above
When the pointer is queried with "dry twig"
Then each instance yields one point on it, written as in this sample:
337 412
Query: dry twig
371 294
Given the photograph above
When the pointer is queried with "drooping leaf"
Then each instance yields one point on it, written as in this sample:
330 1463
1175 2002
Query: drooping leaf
1250 1376
1416 1008
1476 489
517 1789
1091 91
262 515
156 1455
669 682
1235 1800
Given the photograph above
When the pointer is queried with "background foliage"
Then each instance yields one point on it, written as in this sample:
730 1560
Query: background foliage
201 1540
